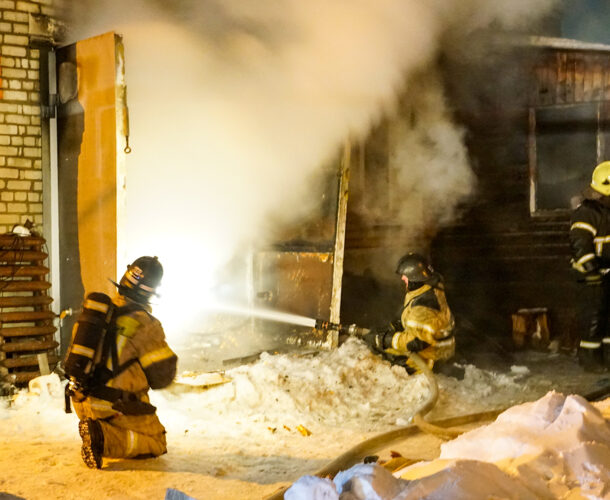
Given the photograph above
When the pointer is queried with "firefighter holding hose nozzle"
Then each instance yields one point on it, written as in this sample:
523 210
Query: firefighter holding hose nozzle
425 323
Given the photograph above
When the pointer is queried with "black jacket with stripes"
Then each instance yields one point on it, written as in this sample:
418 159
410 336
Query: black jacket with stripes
590 235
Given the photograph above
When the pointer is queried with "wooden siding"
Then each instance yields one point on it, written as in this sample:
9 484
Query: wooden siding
570 77
499 258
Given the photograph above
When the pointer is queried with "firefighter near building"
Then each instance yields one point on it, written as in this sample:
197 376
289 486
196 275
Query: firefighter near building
590 242
117 354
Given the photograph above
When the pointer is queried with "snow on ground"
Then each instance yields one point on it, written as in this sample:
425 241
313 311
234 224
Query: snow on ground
247 437
555 447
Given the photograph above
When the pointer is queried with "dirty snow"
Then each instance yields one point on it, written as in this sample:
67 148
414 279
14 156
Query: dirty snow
274 421
555 447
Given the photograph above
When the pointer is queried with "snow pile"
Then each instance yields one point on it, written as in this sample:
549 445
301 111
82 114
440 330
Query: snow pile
241 439
558 443
556 447
483 389
348 386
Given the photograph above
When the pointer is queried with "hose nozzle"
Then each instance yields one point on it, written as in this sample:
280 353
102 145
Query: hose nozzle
352 330
327 325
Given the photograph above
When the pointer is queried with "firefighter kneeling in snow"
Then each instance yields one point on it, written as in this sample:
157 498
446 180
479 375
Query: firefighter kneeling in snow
116 417
590 240
425 325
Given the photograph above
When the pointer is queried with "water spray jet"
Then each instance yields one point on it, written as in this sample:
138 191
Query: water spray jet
257 312
289 318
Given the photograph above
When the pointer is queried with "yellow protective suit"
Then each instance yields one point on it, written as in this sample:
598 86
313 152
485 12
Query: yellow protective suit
128 432
426 317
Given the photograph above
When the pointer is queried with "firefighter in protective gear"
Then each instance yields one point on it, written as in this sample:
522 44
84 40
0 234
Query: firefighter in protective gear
590 242
425 324
116 417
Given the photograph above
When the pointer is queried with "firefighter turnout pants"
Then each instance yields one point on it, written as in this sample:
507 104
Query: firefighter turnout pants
594 347
127 436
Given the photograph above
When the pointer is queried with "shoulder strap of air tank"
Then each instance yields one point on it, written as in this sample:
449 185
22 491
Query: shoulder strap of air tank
121 311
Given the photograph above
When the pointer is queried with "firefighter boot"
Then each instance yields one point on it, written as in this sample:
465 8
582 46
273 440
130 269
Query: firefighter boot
93 442
590 358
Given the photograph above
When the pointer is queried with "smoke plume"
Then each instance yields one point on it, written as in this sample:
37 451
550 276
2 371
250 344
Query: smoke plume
234 104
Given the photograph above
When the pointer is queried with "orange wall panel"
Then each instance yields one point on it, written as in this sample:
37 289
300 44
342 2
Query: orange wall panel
97 192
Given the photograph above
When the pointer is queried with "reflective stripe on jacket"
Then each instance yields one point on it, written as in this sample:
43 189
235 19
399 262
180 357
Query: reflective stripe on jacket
590 236
426 316
140 337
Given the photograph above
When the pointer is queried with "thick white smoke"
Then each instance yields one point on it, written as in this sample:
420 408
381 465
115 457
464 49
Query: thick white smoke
234 104
429 157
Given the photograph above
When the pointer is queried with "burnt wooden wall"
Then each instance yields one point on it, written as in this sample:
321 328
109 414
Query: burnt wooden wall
499 257
563 76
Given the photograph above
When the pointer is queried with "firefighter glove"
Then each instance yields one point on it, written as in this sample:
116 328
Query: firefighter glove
395 326
377 341
417 345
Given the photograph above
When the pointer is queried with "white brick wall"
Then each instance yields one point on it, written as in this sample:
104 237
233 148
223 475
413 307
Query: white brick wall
20 130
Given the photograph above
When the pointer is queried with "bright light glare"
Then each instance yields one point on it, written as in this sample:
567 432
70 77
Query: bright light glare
181 306
188 281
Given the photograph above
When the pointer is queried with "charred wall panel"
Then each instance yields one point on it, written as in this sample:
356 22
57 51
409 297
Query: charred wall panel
565 76
509 249
502 256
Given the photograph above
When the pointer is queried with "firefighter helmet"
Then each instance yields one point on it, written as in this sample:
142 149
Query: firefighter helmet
415 267
141 279
601 178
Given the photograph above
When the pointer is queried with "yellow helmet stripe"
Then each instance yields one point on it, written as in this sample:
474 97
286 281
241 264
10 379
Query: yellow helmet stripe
131 277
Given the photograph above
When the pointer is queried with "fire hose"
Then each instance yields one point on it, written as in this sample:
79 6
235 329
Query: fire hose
418 419
370 446
381 441
445 428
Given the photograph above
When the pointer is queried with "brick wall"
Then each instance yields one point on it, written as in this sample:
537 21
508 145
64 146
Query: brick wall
20 120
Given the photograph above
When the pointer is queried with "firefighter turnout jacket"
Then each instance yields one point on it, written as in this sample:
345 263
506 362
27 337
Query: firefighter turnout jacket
590 242
129 422
590 235
427 325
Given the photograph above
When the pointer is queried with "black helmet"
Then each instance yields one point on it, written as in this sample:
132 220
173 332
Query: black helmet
415 267
141 279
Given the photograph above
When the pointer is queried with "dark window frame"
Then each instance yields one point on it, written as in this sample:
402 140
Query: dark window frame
602 145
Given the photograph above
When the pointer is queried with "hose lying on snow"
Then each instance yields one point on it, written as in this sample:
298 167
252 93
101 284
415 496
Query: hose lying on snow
381 441
441 428
430 403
